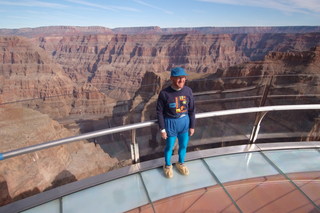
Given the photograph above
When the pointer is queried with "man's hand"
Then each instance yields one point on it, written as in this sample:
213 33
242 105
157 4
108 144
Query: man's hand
191 130
164 135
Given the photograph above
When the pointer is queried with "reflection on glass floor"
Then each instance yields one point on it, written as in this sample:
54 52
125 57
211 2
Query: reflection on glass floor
259 181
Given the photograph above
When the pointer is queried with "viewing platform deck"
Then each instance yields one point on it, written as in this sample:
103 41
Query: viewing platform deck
276 177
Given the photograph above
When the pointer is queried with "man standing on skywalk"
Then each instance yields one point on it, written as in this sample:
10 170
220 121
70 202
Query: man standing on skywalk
176 117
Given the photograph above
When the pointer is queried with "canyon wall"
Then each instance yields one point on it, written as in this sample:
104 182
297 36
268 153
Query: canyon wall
115 64
35 93
29 76
28 174
294 73
85 79
109 68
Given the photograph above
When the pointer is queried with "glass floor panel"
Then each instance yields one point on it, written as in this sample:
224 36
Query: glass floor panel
159 186
118 195
260 195
295 160
240 166
210 199
299 166
268 194
309 183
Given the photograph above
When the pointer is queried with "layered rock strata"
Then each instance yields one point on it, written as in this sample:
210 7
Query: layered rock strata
29 76
116 64
27 174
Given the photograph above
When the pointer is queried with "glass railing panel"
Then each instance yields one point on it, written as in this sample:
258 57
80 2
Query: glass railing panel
222 131
151 145
294 89
119 195
228 92
50 207
116 145
294 125
209 132
21 126
302 167
28 174
160 187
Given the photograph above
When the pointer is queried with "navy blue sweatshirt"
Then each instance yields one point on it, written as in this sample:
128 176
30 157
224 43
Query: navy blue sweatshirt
172 103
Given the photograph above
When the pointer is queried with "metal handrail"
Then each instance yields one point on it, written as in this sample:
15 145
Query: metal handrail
85 136
133 127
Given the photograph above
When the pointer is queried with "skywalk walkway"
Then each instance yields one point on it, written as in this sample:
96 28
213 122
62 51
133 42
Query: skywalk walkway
277 177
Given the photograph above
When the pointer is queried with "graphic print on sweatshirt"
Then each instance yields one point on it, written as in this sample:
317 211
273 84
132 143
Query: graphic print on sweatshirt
180 104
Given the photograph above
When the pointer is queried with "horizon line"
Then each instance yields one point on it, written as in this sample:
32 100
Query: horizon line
154 26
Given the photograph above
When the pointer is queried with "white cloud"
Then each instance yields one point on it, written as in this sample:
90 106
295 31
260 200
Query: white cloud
33 3
100 6
154 7
312 5
300 6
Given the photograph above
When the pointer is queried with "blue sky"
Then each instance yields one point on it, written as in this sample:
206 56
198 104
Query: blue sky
162 13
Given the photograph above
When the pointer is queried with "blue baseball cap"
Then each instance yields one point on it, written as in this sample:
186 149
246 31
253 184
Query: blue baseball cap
178 71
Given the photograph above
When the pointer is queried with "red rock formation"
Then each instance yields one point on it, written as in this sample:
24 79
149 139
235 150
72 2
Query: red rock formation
28 74
32 173
120 61
117 63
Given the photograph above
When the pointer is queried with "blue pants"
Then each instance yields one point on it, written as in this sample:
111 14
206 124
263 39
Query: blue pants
176 128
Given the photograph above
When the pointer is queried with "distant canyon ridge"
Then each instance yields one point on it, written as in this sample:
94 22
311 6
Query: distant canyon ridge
60 81
93 30
85 61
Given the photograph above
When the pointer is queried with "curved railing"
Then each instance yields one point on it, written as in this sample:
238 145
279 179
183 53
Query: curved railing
261 112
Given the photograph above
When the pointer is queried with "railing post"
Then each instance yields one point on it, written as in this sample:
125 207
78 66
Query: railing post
135 156
256 127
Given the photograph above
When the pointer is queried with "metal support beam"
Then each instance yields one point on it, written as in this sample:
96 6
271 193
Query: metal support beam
256 127
135 156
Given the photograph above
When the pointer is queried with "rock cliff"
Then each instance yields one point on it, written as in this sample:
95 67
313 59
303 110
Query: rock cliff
294 73
28 75
34 90
115 64
32 173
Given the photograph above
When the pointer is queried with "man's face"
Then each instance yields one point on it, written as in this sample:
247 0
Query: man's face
178 81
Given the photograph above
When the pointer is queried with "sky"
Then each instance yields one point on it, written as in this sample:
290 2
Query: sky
162 13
